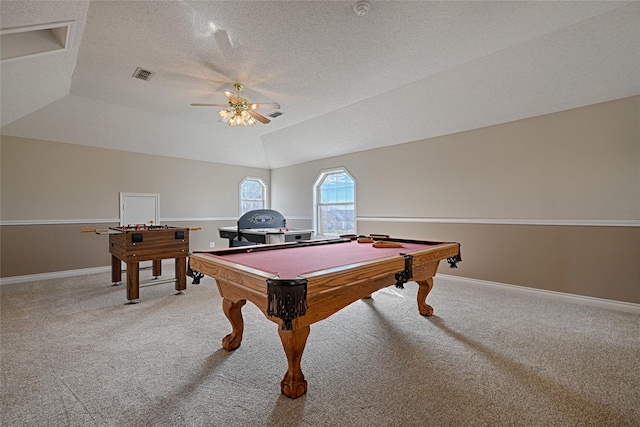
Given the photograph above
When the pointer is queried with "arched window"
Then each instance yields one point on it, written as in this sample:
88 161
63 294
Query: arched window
334 203
253 195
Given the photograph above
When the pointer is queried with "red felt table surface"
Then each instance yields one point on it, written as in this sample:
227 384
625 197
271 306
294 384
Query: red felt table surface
297 261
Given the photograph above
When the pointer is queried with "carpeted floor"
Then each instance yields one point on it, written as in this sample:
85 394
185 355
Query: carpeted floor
73 354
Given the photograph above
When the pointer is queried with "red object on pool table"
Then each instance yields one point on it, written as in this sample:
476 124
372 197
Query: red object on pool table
301 283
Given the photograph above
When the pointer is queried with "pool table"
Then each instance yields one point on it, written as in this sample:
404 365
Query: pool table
299 283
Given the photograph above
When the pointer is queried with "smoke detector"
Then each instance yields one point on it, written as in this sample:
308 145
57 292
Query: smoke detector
362 8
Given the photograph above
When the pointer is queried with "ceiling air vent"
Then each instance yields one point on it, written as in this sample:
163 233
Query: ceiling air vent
143 74
275 114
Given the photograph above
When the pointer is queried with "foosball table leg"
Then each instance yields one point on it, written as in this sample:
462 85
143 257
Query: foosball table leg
133 282
181 275
157 268
116 271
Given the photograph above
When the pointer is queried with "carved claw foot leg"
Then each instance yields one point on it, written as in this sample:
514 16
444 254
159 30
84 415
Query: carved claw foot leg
294 385
425 287
233 311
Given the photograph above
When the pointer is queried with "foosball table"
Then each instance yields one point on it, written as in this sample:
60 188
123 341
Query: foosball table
133 244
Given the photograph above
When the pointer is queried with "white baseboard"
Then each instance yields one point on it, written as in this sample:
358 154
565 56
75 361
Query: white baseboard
65 273
53 275
558 296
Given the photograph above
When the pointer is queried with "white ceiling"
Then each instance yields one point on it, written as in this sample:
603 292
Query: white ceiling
408 70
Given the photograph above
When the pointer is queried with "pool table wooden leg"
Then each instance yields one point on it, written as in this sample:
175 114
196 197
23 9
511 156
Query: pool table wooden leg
294 385
233 311
424 288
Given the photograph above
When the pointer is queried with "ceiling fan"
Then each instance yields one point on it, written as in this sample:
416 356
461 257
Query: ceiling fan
238 111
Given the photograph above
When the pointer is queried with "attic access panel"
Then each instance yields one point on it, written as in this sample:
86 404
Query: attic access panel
139 208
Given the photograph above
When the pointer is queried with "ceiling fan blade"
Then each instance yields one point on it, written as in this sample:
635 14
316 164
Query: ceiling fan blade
232 97
210 105
272 105
258 117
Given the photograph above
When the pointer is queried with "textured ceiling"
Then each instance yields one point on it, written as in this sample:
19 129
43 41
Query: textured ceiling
408 70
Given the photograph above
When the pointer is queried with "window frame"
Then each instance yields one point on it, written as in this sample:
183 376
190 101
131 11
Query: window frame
322 176
263 185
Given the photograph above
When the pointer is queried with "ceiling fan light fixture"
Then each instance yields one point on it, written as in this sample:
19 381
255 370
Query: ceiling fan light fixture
224 114
238 111
235 120
237 117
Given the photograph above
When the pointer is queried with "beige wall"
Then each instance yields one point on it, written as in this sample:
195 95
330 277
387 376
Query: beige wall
51 191
497 189
52 181
579 164
599 262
